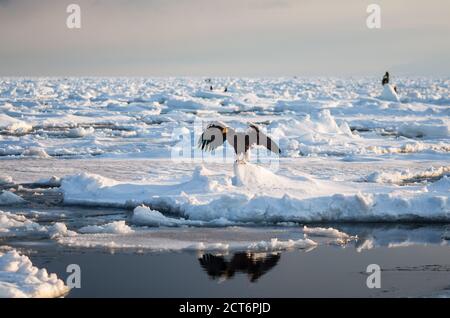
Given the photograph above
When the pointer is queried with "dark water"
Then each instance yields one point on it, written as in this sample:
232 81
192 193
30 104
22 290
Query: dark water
328 271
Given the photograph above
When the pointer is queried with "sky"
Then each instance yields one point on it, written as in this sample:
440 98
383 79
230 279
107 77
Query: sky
224 38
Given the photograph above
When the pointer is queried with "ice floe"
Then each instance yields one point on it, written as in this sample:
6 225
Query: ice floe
190 239
265 198
118 227
9 198
326 232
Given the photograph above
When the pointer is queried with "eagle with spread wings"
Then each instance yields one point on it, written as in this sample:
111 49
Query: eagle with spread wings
217 133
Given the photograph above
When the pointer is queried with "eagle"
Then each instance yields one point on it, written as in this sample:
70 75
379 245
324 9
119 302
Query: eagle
217 133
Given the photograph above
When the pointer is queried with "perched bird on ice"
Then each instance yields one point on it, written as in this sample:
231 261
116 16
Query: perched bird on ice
217 133
386 80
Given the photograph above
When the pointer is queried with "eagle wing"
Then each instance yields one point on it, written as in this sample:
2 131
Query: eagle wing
213 137
259 138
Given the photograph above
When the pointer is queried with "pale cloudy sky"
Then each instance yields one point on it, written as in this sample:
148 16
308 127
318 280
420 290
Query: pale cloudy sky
224 38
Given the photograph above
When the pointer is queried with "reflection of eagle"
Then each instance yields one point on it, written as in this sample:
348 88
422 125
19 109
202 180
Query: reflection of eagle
217 133
255 267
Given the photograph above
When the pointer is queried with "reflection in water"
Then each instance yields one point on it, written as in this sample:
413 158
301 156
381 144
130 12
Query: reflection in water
253 264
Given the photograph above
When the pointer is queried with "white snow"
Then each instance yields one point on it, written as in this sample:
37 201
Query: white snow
118 227
12 225
143 215
59 230
389 93
17 225
20 279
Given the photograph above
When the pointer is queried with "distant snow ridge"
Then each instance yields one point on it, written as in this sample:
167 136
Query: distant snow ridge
402 176
20 279
410 148
79 132
310 117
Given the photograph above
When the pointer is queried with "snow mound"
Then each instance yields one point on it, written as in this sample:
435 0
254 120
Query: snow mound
389 93
9 198
20 279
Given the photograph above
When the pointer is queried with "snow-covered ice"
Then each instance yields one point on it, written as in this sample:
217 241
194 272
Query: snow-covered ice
260 197
119 227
